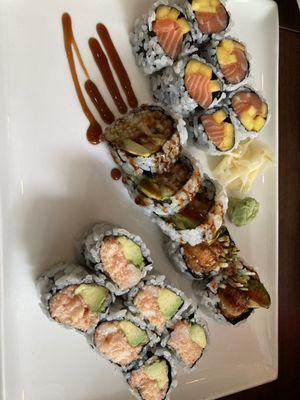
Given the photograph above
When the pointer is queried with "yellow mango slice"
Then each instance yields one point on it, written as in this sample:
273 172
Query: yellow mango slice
214 86
228 140
264 110
209 9
162 12
196 5
259 123
205 70
232 59
174 13
252 111
239 46
214 3
192 67
219 116
184 25
222 56
247 120
228 45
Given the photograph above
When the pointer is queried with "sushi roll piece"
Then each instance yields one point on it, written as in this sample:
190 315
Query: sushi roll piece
200 220
154 377
146 139
234 294
169 192
123 339
121 256
157 303
73 297
249 111
190 85
206 259
187 340
213 131
209 18
161 37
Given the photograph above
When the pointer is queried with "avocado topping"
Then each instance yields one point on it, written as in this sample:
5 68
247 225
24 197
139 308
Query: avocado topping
197 334
134 335
93 295
132 252
169 303
158 371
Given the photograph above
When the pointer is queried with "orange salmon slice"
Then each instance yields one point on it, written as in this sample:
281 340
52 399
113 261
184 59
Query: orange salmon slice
198 88
214 131
213 22
242 101
169 36
236 72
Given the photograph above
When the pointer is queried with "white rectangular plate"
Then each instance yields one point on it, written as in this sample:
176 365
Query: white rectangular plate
54 184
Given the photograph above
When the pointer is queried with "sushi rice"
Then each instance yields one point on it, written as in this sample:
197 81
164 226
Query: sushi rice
91 246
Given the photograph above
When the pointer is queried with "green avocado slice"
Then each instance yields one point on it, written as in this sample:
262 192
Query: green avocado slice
132 252
183 222
93 295
168 302
158 371
258 295
197 334
134 335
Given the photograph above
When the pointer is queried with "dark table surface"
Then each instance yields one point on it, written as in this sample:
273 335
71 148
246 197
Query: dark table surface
287 384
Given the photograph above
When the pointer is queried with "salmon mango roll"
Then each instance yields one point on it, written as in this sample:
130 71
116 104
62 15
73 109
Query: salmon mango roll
169 192
160 37
74 298
250 110
190 85
187 339
210 17
207 259
118 254
153 379
157 303
147 139
234 294
123 339
200 220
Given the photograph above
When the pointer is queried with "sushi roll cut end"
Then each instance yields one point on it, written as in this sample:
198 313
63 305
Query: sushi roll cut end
233 61
170 27
122 261
219 129
157 305
199 82
188 340
120 341
251 110
78 306
211 15
151 380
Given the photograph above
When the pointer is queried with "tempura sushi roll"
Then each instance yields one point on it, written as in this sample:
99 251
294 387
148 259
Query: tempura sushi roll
234 294
123 339
209 18
73 297
249 111
190 85
231 60
146 139
200 220
118 254
153 378
187 339
161 37
157 303
206 259
169 192
213 131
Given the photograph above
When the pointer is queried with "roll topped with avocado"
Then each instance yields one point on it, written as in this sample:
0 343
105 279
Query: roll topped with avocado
118 254
169 192
146 139
73 297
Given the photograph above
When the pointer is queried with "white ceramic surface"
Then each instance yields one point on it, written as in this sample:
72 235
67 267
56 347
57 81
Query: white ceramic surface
54 184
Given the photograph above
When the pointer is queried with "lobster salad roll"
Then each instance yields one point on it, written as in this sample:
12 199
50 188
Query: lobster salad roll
190 85
123 339
146 139
169 192
157 303
118 254
231 60
73 297
206 259
213 131
200 220
187 339
154 377
161 36
249 111
233 294
208 17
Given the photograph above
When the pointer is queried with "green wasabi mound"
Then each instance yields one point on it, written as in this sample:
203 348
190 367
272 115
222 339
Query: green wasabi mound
242 211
